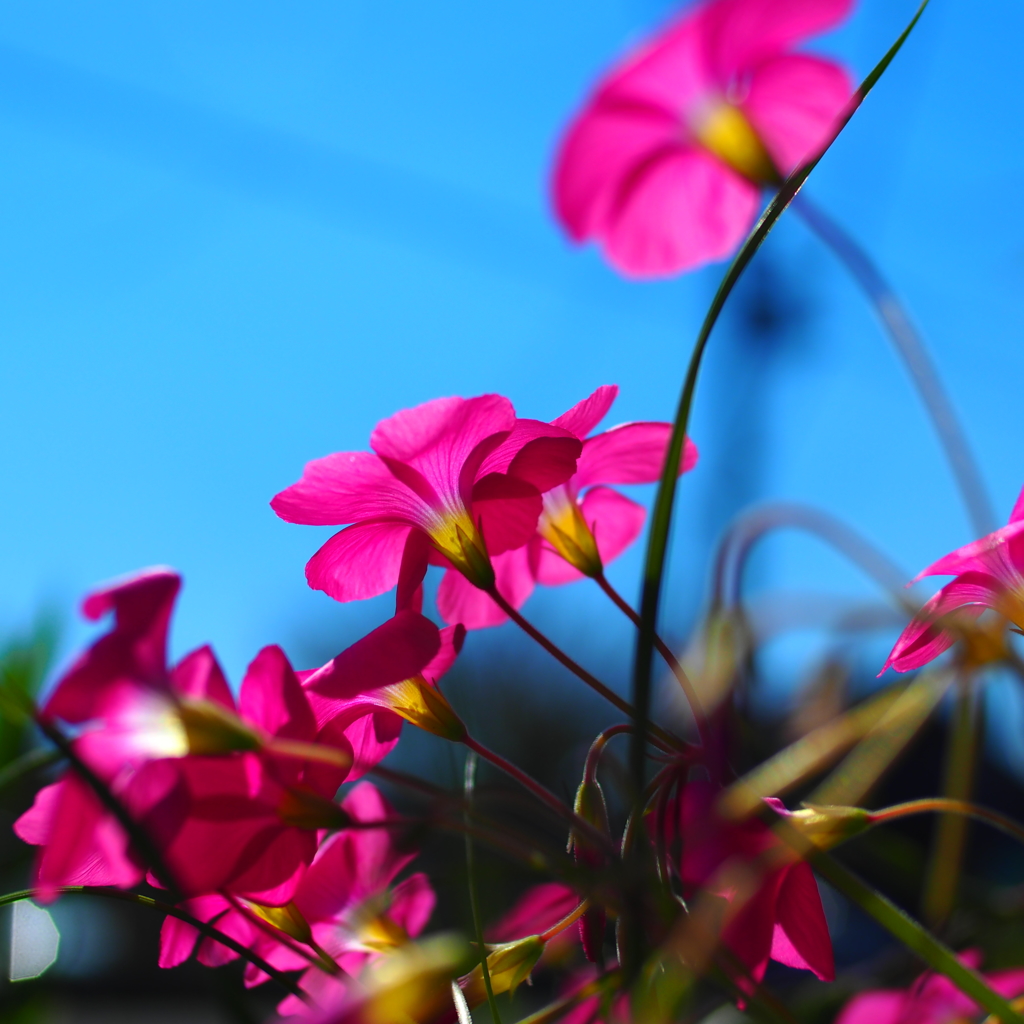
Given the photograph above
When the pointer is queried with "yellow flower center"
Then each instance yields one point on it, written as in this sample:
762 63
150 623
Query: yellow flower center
723 129
287 919
562 525
425 707
455 536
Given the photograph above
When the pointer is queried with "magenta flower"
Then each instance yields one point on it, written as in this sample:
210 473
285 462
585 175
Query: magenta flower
452 482
584 524
664 165
783 919
345 906
932 999
989 575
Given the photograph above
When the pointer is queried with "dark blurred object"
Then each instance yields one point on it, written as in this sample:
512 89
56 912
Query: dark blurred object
24 661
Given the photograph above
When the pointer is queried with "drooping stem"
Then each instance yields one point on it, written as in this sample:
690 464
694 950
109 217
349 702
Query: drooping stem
578 670
943 876
914 353
944 805
665 651
474 897
915 937
661 518
570 919
202 927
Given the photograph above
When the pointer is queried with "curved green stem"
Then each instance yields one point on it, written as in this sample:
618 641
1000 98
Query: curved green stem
912 349
200 926
657 544
945 805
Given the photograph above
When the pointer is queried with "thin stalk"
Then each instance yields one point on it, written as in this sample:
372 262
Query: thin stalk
559 655
200 926
915 937
943 875
944 805
699 718
570 919
661 519
474 897
27 763
914 353
138 835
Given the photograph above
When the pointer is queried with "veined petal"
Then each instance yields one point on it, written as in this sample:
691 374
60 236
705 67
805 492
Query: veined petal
675 211
793 103
801 936
452 639
741 33
347 487
631 453
200 676
542 454
584 416
999 553
459 601
614 520
360 561
506 510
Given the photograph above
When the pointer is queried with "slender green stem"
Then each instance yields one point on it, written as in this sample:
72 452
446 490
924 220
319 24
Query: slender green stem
944 805
699 718
559 655
915 937
26 764
657 544
912 349
140 838
200 926
474 897
943 875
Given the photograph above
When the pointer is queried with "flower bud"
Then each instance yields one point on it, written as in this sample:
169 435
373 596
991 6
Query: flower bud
509 965
826 827
590 805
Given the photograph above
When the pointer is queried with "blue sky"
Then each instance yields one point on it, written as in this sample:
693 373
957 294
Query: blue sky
236 236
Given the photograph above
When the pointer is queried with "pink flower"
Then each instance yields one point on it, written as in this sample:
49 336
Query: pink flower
664 165
989 574
345 906
452 481
584 524
783 919
932 999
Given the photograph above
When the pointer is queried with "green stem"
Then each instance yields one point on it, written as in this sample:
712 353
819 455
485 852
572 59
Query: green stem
657 544
474 898
915 937
200 926
912 349
944 805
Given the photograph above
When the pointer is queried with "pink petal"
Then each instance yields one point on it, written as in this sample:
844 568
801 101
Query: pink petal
999 553
542 454
678 210
600 149
459 601
537 909
178 939
347 487
631 453
923 640
584 416
1018 509
506 511
614 520
359 562
134 649
794 103
801 936
412 903
446 439
750 933
741 33
200 676
272 699
413 568
883 1006
397 650
369 732
452 639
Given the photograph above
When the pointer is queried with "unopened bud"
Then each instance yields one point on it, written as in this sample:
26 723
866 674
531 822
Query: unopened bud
826 827
509 965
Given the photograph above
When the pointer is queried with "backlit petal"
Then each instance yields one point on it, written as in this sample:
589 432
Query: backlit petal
584 416
631 453
506 511
360 561
801 936
459 601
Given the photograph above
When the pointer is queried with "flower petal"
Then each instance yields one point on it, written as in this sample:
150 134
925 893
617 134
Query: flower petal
801 936
540 453
412 903
584 416
614 520
347 487
272 699
537 909
505 510
459 601
452 639
883 1006
631 453
360 561
676 211
794 103
200 676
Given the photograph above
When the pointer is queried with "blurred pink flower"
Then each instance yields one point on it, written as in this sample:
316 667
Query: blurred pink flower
989 574
584 524
345 904
451 481
665 163
932 999
783 919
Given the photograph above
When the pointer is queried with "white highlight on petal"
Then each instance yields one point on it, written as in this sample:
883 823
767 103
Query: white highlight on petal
34 941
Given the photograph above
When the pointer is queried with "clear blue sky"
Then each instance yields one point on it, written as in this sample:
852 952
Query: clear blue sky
237 235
